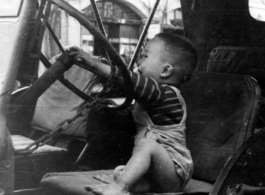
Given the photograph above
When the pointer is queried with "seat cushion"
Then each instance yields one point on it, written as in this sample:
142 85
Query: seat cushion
71 183
55 183
29 169
195 186
21 142
221 114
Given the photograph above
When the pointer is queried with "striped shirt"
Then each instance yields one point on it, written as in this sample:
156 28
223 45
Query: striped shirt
159 101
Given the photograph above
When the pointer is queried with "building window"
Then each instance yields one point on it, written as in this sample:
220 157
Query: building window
127 49
177 14
88 43
105 8
177 18
108 9
100 10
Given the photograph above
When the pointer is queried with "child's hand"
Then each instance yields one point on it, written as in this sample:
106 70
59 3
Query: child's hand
81 56
95 66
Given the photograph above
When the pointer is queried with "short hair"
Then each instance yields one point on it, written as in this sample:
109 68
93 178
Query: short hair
181 53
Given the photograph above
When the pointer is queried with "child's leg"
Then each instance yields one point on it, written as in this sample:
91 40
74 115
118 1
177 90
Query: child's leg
147 155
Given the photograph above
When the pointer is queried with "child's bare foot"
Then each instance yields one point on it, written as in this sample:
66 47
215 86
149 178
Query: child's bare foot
142 186
108 189
118 172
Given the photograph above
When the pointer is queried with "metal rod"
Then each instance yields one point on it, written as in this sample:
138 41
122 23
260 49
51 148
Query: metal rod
55 37
100 24
37 27
41 30
98 19
81 155
141 39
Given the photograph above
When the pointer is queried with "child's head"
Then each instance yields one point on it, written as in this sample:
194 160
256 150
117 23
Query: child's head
169 59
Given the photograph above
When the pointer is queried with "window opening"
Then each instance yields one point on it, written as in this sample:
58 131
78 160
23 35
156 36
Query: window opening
257 9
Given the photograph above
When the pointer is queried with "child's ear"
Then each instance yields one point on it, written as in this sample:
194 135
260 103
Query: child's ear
167 70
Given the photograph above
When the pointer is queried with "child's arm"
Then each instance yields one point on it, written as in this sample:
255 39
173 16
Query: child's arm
146 90
94 65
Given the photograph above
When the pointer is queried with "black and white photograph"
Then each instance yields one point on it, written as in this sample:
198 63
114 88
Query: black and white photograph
132 97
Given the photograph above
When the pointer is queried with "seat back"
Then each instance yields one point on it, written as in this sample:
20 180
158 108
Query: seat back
222 111
239 60
55 105
58 104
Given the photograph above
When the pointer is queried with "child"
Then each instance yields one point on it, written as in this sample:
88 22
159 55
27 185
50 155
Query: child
160 156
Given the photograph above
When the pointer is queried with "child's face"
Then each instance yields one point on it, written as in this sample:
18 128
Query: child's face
150 63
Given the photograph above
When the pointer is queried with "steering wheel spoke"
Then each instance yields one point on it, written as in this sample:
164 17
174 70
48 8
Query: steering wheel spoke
65 82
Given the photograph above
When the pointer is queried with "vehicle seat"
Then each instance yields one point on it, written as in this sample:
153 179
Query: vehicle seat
29 169
239 60
222 111
54 106
58 103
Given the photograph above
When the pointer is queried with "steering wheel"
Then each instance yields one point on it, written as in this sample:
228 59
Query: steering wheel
114 56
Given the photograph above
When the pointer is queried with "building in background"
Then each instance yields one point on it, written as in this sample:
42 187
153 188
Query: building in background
123 21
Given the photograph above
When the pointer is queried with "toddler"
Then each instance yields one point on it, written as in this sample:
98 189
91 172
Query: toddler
160 161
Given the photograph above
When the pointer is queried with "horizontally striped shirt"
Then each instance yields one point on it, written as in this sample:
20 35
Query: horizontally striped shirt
159 101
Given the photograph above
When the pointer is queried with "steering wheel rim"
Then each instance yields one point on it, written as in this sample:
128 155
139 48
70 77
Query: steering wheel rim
116 59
